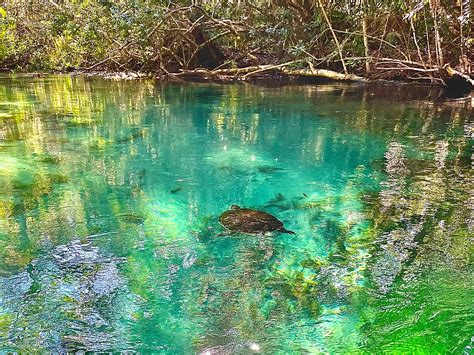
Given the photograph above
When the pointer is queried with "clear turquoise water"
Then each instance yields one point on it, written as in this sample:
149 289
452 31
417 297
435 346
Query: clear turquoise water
110 194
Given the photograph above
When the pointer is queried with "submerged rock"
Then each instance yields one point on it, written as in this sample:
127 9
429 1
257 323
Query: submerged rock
75 253
15 286
79 297
231 348
106 280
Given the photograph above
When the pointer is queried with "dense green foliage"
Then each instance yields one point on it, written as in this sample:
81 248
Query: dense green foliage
158 36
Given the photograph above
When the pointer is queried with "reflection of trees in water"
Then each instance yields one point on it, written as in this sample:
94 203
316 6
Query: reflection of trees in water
422 223
422 205
39 202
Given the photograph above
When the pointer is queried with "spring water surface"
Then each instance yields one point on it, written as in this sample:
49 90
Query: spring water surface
110 194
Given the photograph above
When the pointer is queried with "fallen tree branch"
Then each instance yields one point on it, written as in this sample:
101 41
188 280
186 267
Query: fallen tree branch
409 69
455 81
410 62
231 71
280 68
323 73
269 67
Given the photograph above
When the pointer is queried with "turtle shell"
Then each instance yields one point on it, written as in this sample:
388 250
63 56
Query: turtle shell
246 220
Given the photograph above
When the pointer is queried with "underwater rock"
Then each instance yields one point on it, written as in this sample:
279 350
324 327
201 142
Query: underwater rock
86 340
76 253
107 280
396 247
232 348
189 260
333 287
395 159
386 268
15 286
94 319
79 297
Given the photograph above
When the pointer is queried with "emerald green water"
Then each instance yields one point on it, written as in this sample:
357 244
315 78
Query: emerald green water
110 194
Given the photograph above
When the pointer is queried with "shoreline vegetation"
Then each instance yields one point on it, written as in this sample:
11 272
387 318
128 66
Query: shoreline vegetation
427 41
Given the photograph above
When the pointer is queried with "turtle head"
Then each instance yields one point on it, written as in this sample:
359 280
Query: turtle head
234 207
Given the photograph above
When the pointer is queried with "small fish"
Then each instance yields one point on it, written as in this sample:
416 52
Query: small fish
176 190
268 169
278 198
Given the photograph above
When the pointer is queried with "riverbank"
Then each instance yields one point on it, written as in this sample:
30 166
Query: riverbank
266 78
248 41
390 90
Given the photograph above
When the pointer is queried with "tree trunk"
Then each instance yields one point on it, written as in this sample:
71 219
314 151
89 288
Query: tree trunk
364 34
439 51
338 46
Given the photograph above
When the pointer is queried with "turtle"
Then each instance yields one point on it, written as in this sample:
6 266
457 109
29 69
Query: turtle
250 221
